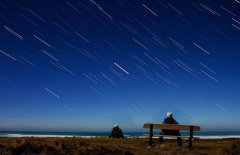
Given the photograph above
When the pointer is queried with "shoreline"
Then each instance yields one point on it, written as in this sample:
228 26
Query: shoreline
126 136
129 135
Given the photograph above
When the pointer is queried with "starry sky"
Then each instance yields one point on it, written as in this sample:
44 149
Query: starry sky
85 65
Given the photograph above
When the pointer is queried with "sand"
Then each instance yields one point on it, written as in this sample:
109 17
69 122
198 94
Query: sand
105 146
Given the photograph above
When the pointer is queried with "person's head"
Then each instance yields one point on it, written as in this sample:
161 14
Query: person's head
116 125
169 114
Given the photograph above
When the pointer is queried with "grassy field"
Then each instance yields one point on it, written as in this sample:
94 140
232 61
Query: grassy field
105 146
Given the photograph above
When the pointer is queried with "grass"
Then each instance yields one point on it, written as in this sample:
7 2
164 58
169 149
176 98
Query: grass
106 146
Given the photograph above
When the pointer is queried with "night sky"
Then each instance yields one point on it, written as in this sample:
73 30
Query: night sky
88 64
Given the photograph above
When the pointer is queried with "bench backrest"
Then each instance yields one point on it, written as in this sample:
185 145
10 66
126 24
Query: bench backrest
172 126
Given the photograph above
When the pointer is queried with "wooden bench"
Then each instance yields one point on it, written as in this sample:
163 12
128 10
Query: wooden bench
152 126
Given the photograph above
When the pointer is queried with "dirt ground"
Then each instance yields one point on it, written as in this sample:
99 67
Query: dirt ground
108 146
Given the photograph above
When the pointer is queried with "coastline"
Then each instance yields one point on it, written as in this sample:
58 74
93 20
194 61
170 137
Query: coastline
69 136
201 135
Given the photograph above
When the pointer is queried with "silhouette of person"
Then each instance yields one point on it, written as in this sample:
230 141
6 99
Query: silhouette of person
171 120
116 132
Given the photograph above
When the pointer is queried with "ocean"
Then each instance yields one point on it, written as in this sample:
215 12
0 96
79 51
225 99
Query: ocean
201 135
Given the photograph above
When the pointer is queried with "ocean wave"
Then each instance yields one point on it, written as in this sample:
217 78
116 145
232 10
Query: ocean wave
26 135
29 135
128 136
219 137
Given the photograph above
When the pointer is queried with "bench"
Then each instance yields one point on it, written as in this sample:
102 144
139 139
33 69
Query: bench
190 128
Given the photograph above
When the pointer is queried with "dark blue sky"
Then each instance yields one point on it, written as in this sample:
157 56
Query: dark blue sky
86 65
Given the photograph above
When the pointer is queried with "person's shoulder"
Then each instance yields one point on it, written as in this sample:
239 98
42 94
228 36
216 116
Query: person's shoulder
170 120
166 120
174 121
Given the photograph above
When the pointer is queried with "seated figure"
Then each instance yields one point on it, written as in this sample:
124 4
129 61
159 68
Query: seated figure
171 120
116 132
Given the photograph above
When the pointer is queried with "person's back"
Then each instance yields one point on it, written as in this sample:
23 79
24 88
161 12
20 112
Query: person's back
116 132
171 120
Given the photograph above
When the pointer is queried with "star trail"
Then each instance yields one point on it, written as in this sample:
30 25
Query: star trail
67 63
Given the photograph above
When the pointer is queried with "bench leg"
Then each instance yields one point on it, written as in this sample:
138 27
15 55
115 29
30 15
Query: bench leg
179 141
151 134
191 136
161 140
190 143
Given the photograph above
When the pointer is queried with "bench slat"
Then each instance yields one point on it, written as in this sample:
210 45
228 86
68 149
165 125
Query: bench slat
172 126
157 135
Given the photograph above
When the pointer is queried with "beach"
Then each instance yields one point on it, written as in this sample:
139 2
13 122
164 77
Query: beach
104 145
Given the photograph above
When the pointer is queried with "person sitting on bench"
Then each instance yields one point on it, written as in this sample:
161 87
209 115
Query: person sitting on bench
170 120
